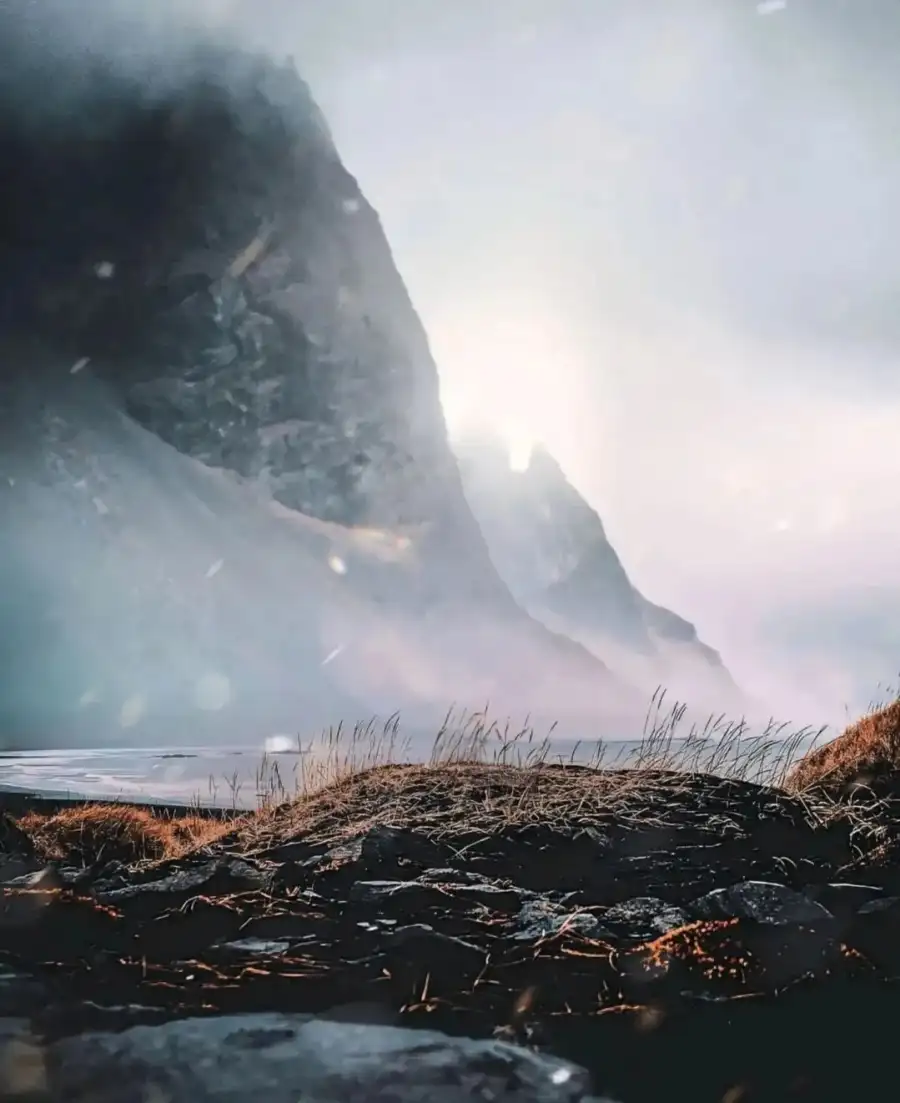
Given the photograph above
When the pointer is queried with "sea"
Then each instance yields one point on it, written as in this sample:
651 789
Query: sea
243 777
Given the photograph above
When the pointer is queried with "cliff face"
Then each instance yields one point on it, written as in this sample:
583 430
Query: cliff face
210 358
222 270
551 548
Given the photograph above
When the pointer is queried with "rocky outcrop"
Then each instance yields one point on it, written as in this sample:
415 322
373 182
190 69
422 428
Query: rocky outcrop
217 264
229 508
668 933
550 547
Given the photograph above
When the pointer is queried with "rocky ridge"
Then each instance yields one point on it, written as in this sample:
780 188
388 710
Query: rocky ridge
669 934
218 399
236 289
550 547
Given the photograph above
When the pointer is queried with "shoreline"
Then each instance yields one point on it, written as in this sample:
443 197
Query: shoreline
18 801
239 779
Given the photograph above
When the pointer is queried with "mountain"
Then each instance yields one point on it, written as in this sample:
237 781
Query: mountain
229 505
550 547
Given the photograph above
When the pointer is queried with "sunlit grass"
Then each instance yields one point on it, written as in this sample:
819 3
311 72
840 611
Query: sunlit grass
863 757
93 832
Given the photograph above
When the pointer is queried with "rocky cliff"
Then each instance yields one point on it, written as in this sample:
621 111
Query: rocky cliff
227 468
211 255
550 547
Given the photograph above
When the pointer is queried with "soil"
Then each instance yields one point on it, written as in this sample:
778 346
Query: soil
680 936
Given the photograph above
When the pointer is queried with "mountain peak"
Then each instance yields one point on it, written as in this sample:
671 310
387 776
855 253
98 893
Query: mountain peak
219 399
550 546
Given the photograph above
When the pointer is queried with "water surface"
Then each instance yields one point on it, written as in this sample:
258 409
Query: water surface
236 776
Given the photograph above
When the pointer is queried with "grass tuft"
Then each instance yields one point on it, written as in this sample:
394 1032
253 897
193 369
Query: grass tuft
480 776
721 746
863 760
89 833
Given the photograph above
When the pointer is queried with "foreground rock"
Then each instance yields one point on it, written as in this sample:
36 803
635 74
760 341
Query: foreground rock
284 1058
668 933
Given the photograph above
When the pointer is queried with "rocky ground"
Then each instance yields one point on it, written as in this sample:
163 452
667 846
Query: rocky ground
676 936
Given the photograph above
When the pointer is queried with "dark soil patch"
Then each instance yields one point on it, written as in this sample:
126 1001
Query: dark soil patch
488 900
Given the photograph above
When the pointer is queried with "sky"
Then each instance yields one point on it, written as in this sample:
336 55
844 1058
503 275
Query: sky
659 237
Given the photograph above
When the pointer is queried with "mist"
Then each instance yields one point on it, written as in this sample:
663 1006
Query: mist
656 238
149 595
661 238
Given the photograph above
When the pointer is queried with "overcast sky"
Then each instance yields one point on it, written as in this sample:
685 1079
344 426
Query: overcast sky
662 237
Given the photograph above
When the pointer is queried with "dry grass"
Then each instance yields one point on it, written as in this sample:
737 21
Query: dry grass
90 833
859 760
726 748
449 799
479 776
466 800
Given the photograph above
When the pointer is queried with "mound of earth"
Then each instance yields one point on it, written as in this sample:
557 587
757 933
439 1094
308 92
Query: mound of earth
672 935
866 756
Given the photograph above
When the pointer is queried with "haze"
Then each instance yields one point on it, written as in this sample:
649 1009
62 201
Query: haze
661 238
658 238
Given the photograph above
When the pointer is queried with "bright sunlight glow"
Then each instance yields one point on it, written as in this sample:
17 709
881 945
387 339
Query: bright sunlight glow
504 370
519 447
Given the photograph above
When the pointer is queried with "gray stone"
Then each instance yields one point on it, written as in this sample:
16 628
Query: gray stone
763 901
18 871
541 918
262 946
289 852
19 909
13 1027
643 917
405 894
383 844
882 906
20 994
445 876
417 951
286 1058
240 875
494 897
843 899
